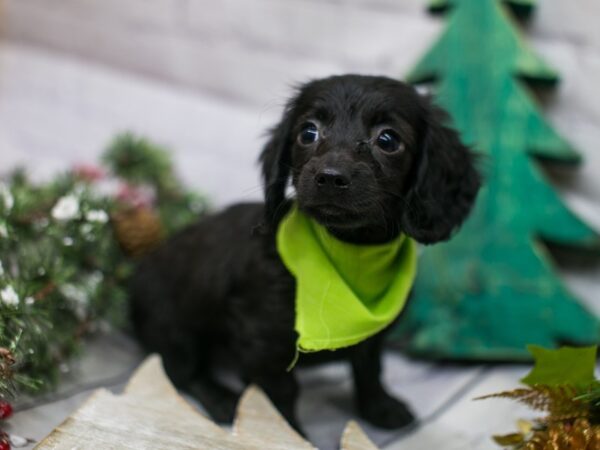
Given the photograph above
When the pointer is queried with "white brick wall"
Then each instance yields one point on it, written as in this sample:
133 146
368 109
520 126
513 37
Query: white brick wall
57 111
242 49
252 51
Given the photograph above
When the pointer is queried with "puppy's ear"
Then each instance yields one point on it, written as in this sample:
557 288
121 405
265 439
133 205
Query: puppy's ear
276 161
445 181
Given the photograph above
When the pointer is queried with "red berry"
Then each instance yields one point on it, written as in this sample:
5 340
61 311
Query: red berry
4 444
5 411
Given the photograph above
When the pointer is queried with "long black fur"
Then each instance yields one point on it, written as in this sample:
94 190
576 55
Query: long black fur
218 294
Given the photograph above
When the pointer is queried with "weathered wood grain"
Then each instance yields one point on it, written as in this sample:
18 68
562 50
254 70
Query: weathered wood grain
151 414
354 438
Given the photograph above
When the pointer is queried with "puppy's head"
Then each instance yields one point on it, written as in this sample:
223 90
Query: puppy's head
369 156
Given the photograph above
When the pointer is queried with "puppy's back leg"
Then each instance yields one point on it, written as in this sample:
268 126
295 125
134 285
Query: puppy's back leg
281 387
155 324
264 361
218 400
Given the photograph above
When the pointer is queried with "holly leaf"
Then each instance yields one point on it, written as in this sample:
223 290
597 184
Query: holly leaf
564 366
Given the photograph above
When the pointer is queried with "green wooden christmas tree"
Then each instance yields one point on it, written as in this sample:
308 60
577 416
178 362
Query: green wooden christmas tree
492 289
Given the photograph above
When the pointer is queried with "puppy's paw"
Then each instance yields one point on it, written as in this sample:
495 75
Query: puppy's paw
219 402
223 412
387 412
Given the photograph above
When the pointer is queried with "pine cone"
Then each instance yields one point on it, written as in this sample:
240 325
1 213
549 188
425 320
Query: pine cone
138 230
7 360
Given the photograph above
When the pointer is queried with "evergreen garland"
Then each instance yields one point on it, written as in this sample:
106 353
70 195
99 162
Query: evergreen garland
63 268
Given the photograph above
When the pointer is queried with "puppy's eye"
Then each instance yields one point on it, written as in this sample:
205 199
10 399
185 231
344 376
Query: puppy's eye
309 134
389 141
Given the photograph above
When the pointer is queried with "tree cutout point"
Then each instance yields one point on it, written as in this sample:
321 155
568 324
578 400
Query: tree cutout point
151 414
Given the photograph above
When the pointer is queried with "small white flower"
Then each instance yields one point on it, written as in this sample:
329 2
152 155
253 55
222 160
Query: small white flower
93 280
86 229
79 300
29 301
67 241
9 296
3 230
7 197
74 293
66 208
97 215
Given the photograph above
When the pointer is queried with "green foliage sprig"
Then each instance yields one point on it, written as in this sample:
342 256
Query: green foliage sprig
561 384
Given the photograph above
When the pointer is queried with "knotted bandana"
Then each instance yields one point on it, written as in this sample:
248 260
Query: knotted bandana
344 292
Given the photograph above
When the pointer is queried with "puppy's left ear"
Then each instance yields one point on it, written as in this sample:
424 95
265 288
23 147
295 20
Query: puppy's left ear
445 183
276 161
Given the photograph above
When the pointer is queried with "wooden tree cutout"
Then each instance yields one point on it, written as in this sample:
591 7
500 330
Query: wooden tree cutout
492 289
151 414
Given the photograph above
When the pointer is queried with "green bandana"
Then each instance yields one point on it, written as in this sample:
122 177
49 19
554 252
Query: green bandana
344 292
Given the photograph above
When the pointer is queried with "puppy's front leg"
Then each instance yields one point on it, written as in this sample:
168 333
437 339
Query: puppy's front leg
373 402
282 389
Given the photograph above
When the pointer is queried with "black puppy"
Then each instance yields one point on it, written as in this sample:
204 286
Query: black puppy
368 158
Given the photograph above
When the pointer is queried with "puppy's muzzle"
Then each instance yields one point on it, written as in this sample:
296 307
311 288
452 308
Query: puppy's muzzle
332 180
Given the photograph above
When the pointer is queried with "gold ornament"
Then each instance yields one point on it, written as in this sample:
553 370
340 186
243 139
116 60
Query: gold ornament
7 360
568 425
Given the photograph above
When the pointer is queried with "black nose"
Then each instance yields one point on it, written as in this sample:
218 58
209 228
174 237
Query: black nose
332 178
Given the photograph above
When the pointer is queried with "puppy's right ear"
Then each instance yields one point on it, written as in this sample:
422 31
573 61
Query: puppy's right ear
446 183
276 161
